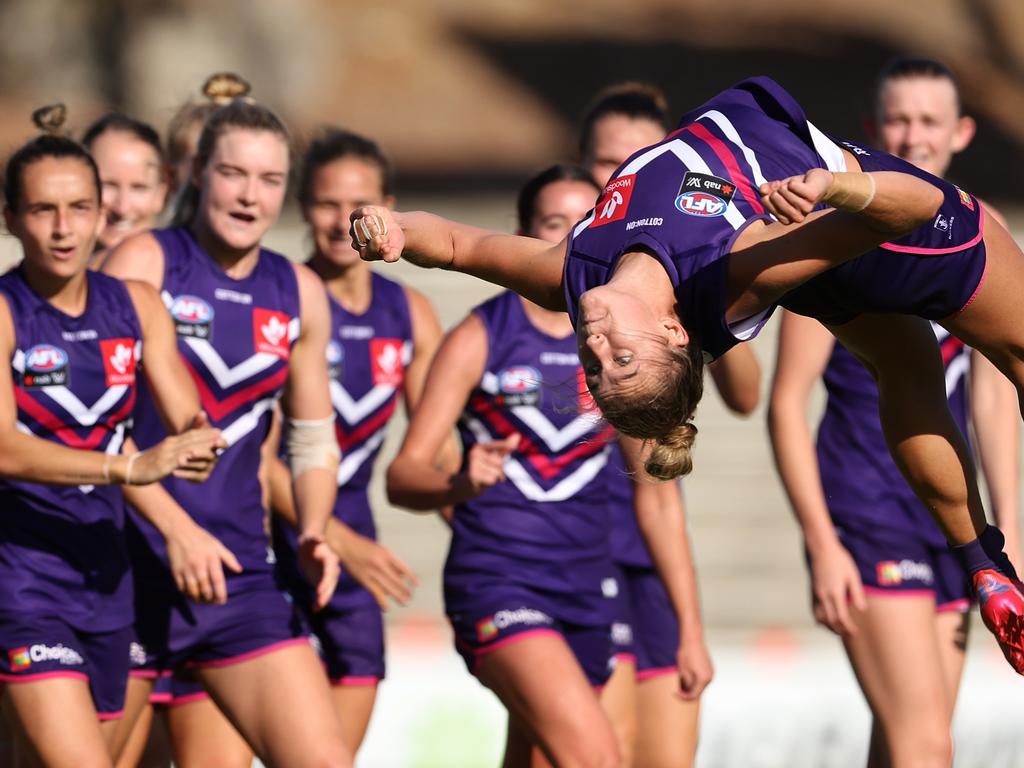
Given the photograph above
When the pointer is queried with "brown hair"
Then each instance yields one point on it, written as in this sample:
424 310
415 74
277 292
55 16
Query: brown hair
639 101
219 90
662 415
239 113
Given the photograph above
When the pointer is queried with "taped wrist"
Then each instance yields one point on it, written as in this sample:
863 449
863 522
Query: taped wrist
851 191
311 444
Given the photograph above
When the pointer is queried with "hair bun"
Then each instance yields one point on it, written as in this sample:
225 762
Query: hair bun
670 455
224 87
50 119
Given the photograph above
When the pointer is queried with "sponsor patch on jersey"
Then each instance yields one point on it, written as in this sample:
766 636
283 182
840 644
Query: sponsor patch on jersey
270 332
701 194
335 357
19 659
118 360
944 224
46 366
193 317
386 362
891 573
965 198
519 385
614 201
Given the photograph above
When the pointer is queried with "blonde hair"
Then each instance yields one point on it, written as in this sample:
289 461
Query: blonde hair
220 89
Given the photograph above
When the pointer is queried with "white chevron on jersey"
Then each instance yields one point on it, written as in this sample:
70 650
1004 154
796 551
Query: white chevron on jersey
958 367
113 448
564 489
354 411
556 439
354 459
726 126
85 415
827 149
248 421
695 162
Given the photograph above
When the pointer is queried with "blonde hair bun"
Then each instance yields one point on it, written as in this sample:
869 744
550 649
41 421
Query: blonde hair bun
224 87
671 455
50 119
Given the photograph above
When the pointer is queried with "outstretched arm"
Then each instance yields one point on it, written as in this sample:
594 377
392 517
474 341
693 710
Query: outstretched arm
530 267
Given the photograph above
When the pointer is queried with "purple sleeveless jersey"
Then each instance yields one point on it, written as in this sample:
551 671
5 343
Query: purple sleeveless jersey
546 528
687 198
367 357
62 548
235 337
864 488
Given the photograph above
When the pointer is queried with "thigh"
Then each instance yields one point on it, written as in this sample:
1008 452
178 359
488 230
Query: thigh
132 734
354 705
280 702
668 725
202 737
618 700
540 682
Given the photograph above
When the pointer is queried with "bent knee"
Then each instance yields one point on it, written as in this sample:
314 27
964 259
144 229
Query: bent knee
593 753
922 748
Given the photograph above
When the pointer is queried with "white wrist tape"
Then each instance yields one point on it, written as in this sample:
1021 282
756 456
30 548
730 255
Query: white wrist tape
311 444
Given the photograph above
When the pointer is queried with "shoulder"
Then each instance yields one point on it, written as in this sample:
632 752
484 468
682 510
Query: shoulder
140 257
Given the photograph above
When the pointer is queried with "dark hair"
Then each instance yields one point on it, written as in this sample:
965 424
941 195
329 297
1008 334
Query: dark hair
640 101
903 67
526 205
335 144
664 414
242 114
116 121
52 143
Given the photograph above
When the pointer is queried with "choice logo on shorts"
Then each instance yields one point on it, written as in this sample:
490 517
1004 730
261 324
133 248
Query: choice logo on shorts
891 573
23 658
488 628
19 658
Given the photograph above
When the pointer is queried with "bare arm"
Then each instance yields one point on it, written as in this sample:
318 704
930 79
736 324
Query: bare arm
804 349
530 267
737 376
137 258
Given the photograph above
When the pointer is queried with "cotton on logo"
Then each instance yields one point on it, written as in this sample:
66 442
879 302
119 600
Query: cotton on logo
386 361
270 332
614 202
118 360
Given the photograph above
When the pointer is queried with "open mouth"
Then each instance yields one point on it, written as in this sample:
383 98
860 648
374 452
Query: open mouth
64 253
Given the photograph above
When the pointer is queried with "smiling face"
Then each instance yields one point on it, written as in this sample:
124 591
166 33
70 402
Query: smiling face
335 190
918 119
134 185
58 217
558 206
613 139
242 186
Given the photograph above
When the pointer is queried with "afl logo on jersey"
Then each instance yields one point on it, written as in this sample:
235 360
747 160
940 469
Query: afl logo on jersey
335 356
519 385
192 317
118 360
270 332
45 366
701 194
386 362
614 202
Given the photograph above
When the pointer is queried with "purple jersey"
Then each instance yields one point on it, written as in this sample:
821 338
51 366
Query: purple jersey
546 527
62 548
864 488
235 337
367 357
687 198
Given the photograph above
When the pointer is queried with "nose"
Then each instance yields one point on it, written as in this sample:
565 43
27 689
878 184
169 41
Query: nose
247 194
596 342
61 224
914 133
113 200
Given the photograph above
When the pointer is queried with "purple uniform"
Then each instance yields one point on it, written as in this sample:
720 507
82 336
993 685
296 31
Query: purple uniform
367 357
686 199
235 337
65 579
889 533
531 554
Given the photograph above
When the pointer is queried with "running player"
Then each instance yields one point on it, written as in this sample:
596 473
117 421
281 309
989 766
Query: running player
134 177
74 338
251 327
648 283
869 542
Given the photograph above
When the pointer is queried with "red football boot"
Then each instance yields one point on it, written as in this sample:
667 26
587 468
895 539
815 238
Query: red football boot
1001 601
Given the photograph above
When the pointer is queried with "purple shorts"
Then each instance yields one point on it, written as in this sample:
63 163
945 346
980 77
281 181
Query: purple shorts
897 563
646 617
41 647
505 614
177 633
350 643
173 690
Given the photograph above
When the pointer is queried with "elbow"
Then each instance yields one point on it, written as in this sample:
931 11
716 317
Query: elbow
743 402
399 493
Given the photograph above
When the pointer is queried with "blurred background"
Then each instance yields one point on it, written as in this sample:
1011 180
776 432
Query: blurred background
471 98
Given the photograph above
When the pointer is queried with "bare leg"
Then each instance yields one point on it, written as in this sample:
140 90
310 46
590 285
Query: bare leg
354 705
667 736
132 731
619 702
203 738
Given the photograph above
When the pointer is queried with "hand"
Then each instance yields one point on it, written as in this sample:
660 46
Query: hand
320 566
378 569
197 558
191 455
485 464
835 586
376 235
1002 609
790 200
695 668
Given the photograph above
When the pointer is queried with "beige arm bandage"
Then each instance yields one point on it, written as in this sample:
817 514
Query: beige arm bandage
851 191
311 444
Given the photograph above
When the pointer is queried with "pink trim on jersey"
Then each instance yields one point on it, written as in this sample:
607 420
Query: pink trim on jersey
960 605
7 678
66 432
729 161
630 657
647 674
478 652
188 698
219 409
940 251
104 716
882 591
247 656
160 698
148 674
356 680
367 429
